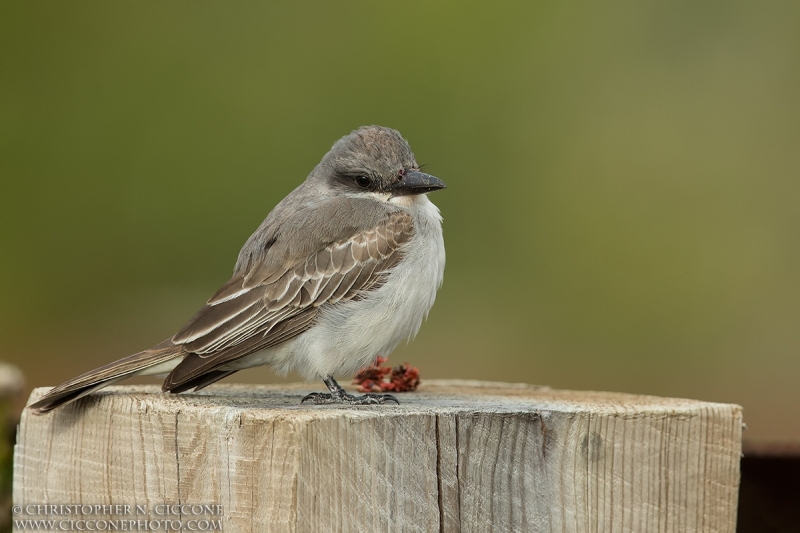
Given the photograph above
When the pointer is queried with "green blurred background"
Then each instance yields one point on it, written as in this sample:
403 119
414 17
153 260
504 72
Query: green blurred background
623 210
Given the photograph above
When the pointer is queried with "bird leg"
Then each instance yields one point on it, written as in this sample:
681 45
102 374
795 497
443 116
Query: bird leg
339 395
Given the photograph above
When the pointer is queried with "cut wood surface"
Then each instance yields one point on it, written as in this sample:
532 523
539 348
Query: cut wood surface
456 456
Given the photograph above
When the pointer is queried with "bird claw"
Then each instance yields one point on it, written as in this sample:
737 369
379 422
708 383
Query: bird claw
321 398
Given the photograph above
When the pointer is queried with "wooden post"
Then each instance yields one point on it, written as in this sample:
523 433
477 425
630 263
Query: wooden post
456 456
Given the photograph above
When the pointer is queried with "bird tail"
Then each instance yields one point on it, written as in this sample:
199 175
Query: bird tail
155 360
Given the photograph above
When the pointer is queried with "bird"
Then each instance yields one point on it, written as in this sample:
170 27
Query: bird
342 270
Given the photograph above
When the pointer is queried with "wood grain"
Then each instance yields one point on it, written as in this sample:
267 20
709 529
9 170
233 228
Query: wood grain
455 457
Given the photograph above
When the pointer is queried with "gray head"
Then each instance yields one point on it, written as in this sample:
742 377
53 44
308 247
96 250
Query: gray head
371 164
373 159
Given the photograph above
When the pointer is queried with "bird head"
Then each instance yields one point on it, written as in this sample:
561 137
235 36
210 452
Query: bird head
374 161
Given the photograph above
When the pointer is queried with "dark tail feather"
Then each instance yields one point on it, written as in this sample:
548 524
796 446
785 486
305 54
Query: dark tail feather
106 375
203 381
52 400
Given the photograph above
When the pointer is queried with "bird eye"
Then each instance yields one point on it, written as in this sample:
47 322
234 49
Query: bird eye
363 181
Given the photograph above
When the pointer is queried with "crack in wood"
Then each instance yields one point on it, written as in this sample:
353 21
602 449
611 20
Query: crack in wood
439 475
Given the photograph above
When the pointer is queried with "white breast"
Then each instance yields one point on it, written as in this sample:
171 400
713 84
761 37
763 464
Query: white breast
348 336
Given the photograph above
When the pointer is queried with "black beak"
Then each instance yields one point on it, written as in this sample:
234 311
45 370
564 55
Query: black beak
415 182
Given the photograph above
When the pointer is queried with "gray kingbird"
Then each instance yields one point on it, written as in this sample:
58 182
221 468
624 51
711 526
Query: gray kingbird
342 270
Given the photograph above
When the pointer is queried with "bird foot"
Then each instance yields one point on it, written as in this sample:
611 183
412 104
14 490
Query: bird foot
343 397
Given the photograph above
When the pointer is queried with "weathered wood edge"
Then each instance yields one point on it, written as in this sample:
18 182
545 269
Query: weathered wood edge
433 396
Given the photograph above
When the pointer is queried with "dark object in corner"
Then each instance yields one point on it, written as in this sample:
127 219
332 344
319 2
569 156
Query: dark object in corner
769 495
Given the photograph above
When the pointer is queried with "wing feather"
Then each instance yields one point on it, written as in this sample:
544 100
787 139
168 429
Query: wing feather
212 317
331 284
344 287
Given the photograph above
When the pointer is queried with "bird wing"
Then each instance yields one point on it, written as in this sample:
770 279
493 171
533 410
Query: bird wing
263 307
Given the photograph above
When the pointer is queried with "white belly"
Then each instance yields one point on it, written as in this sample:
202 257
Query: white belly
347 336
